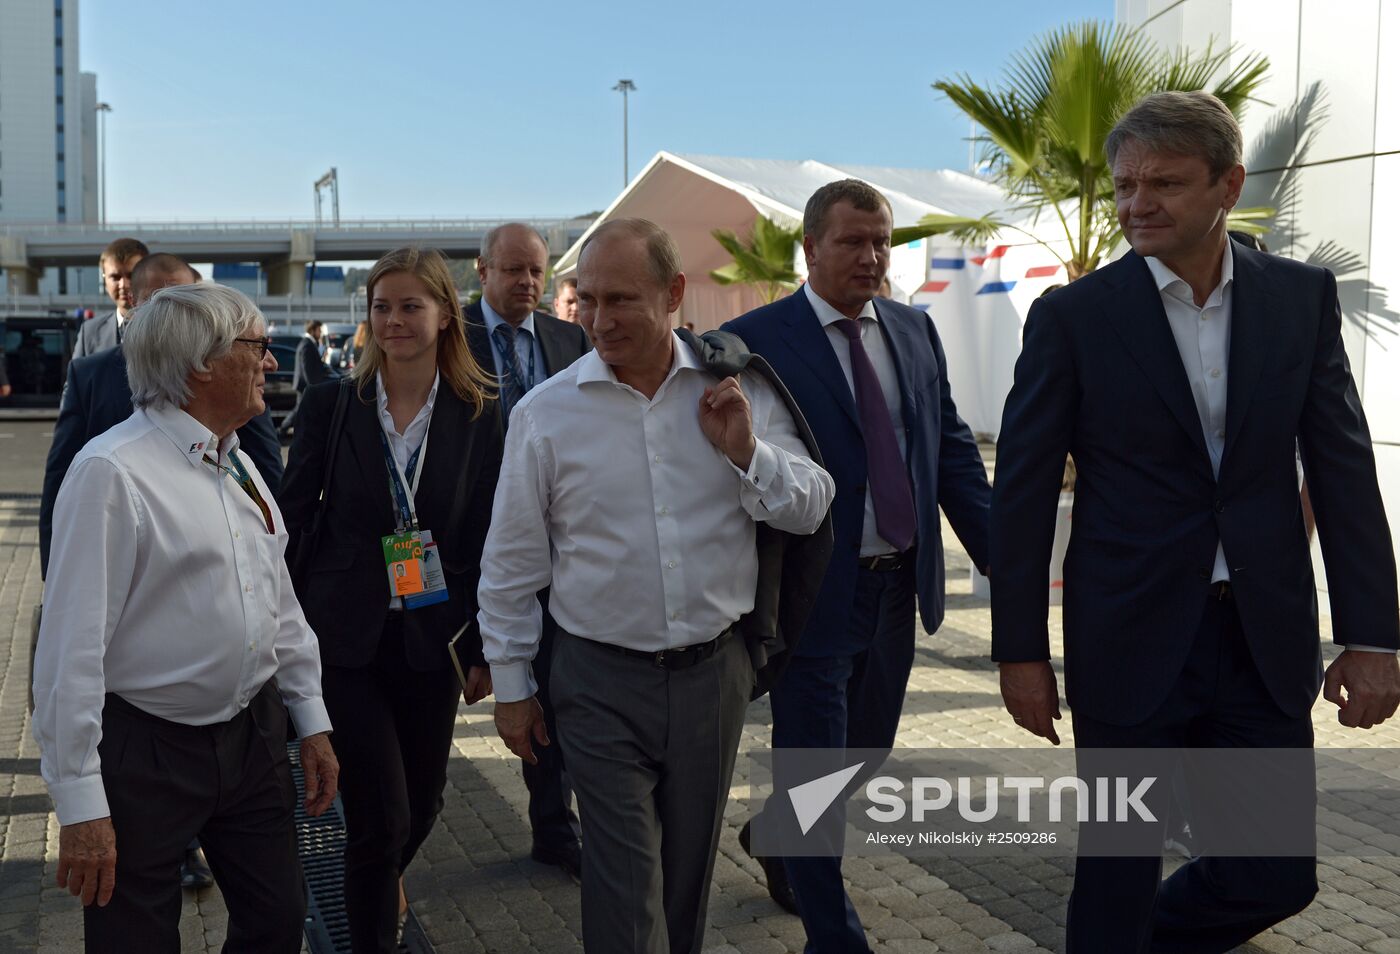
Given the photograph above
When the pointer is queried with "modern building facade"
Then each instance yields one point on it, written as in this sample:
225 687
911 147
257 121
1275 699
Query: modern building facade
48 156
1324 149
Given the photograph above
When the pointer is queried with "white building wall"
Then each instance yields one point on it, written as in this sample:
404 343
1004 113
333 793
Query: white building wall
47 125
28 183
1342 156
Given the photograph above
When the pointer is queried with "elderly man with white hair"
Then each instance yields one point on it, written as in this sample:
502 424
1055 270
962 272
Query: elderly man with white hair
173 647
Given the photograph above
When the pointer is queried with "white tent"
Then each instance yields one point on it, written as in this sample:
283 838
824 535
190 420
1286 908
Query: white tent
691 195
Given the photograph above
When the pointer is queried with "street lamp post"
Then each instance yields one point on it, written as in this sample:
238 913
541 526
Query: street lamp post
624 87
102 110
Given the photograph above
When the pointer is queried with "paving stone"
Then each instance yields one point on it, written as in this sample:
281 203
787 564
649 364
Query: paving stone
910 946
1360 934
1010 942
1330 944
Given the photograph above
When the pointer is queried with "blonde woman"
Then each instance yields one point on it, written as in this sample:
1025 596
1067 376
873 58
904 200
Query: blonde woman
391 573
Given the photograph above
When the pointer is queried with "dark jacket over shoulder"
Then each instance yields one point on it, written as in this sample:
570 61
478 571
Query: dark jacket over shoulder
345 592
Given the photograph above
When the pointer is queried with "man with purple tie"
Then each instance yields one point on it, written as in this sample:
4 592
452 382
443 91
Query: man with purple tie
870 376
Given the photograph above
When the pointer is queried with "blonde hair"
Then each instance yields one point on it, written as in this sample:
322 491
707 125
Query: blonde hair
455 361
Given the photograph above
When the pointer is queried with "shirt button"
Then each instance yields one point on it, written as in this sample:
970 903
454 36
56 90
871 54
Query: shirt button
1204 316
675 616
671 565
236 534
664 511
1215 372
1220 433
657 458
248 588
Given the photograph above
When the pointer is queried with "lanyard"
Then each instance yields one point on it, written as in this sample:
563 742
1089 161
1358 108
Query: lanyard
511 359
404 489
241 476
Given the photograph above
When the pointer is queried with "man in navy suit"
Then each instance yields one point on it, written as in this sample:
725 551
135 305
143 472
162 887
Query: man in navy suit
1181 377
97 396
116 263
524 347
870 376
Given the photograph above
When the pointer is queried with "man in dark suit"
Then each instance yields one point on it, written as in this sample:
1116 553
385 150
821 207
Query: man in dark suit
870 376
523 347
310 368
97 396
116 263
1179 377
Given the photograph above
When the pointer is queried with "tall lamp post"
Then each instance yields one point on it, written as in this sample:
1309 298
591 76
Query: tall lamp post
624 87
102 110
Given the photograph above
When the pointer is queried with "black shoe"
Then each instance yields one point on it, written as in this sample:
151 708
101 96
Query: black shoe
194 870
567 855
778 887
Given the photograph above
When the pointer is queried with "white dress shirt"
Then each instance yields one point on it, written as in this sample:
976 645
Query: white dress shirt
871 543
1203 339
164 588
403 446
643 530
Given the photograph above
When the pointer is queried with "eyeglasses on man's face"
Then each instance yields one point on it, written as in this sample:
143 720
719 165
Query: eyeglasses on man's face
262 345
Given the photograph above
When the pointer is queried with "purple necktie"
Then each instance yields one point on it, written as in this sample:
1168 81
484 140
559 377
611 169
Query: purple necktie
889 481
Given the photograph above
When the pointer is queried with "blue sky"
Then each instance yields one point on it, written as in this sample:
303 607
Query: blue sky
452 109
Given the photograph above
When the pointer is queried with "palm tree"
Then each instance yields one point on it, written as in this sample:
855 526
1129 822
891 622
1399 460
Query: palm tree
1044 128
764 261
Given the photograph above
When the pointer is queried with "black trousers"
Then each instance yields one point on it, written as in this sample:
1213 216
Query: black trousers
393 733
553 823
230 784
1211 904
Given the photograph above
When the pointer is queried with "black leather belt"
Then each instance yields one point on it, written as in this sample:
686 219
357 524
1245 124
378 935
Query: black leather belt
886 561
671 659
1221 590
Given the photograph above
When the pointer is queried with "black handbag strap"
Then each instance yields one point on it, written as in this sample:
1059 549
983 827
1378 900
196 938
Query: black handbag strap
342 401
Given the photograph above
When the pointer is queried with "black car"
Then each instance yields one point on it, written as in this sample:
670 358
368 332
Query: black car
36 350
279 390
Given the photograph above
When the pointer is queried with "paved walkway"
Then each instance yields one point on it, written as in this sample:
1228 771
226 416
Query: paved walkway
474 890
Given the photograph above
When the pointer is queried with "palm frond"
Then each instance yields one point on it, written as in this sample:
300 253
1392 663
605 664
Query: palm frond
1044 125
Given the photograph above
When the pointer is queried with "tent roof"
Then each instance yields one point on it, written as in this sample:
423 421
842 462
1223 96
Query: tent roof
695 192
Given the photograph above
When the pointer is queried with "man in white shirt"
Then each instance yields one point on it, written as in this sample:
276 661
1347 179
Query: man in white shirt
168 613
1181 378
644 530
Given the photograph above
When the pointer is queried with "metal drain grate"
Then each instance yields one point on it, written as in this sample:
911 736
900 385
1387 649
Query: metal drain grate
321 845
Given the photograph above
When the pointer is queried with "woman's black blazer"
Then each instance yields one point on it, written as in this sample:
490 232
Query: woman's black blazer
345 594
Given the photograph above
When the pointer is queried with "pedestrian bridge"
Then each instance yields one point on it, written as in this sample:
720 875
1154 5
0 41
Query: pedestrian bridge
282 247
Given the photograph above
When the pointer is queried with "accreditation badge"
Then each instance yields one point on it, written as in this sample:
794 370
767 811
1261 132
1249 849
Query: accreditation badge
403 558
434 582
